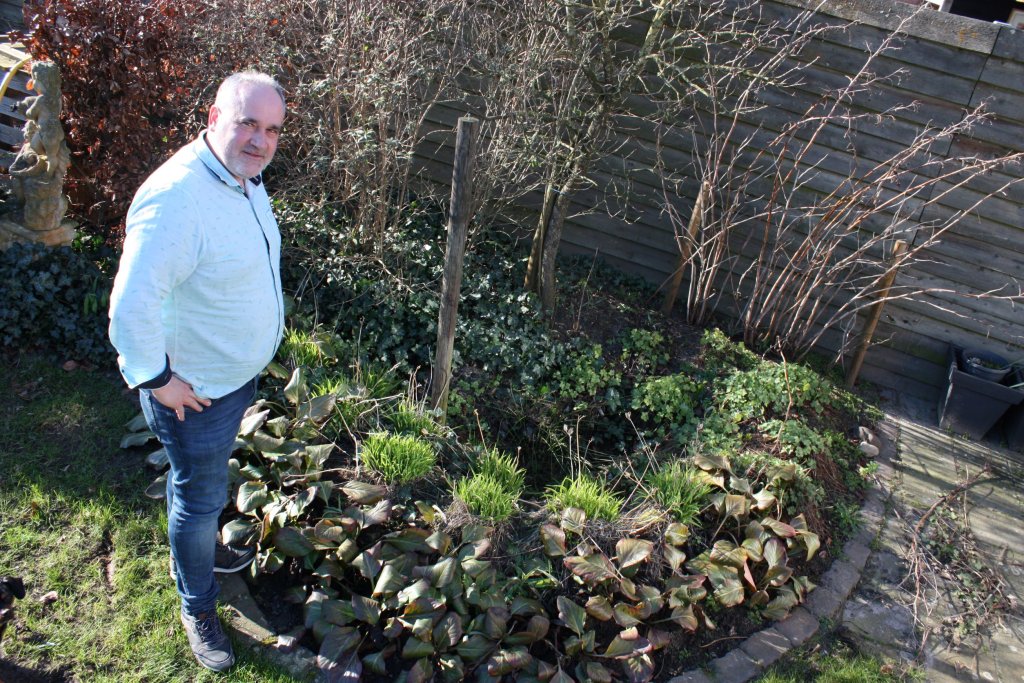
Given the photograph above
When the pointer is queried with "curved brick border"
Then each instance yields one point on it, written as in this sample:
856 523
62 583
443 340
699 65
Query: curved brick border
749 660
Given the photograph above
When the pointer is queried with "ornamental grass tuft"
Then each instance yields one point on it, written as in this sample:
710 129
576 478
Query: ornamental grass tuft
398 458
587 494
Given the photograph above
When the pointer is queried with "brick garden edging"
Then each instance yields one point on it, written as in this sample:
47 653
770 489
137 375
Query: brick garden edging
749 660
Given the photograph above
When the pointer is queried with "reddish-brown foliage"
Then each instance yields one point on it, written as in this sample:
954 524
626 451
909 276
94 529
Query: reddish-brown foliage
130 99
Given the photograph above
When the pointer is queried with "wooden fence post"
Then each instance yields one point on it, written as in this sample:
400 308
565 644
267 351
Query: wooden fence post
458 224
876 313
686 246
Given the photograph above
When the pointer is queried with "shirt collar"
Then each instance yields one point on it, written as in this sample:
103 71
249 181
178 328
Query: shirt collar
211 162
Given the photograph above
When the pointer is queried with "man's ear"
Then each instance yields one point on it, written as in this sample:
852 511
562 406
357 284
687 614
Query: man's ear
214 114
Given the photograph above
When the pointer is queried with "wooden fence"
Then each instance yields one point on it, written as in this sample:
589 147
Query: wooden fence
948 65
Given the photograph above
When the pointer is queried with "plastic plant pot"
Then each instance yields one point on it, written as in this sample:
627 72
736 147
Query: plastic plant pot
972 405
986 365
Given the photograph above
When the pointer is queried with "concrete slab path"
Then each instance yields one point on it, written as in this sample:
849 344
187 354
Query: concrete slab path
882 615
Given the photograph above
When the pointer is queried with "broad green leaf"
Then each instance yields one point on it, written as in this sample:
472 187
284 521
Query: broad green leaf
561 677
338 642
811 542
778 528
363 493
621 647
330 568
523 606
376 662
292 543
597 673
238 532
536 630
754 549
252 495
366 610
338 612
785 472
452 669
727 585
599 607
267 444
136 438
712 461
301 500
439 542
317 409
276 370
496 623
368 563
631 551
409 540
764 499
740 485
137 423
775 555
270 561
572 615
278 426
471 533
724 552
504 662
474 648
780 606
758 598
685 618
574 520
626 615
675 558
158 459
677 534
593 569
295 390
389 582
415 648
553 539
448 631
329 532
439 575
318 454
638 669
253 422
421 672
736 506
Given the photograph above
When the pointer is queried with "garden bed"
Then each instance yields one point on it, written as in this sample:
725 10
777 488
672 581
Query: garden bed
614 496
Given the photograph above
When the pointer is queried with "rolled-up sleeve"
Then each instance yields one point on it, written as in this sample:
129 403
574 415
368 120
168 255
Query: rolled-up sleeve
162 247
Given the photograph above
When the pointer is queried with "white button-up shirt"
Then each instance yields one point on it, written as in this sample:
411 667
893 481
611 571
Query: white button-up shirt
199 281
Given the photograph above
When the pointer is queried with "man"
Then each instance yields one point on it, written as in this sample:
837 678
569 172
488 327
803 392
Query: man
196 313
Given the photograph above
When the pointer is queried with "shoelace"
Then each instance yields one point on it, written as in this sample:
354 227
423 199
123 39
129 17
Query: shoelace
208 628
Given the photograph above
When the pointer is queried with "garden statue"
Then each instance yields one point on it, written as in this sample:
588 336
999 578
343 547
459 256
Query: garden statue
38 170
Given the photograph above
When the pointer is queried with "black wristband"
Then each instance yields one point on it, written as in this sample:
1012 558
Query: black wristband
160 380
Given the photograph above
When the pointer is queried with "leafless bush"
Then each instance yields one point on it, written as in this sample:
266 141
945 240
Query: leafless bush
787 259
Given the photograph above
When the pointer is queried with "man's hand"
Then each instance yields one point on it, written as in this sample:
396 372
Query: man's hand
177 395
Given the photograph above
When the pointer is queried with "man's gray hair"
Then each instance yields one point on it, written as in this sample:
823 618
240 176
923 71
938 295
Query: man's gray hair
233 83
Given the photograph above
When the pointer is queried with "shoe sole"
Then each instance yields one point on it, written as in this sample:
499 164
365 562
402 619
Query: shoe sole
216 570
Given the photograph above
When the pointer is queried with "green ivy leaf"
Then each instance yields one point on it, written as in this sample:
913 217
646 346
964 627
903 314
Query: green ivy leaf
597 673
677 534
685 618
339 642
474 648
366 610
415 648
448 632
599 607
574 520
317 409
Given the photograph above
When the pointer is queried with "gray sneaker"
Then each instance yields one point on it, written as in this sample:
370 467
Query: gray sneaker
208 641
226 560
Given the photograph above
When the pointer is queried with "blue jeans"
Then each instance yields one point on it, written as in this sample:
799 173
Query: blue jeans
197 485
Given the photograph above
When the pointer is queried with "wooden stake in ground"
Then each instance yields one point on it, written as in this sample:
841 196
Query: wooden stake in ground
686 246
458 224
876 313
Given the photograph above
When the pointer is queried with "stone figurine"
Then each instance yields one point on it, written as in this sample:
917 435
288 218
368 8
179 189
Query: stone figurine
38 170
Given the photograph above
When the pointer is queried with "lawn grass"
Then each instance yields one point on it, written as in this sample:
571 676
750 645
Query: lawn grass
832 660
74 520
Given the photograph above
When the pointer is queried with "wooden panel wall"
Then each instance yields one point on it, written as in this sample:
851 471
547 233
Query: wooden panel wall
947 64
